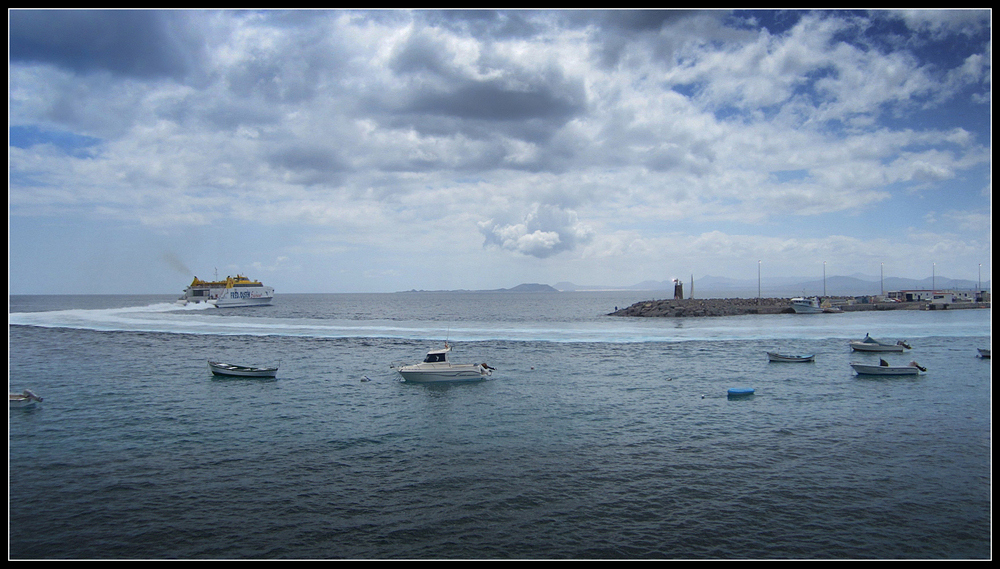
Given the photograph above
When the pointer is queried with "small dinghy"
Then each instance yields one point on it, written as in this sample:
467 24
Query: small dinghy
232 370
24 399
870 344
776 357
912 368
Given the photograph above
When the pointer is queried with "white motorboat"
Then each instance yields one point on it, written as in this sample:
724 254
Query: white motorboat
24 399
437 368
913 368
984 353
232 292
870 344
806 305
232 370
776 357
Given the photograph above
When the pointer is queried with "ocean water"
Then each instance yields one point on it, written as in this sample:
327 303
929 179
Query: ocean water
597 437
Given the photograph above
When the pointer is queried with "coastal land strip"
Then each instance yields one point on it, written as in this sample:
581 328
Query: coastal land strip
693 307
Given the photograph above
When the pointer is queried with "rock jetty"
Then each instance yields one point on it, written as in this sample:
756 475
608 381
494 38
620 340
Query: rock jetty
693 307
706 307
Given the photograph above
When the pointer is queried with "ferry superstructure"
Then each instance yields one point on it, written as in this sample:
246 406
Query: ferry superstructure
232 292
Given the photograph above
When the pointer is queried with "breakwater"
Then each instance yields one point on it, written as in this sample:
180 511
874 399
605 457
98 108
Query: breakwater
694 307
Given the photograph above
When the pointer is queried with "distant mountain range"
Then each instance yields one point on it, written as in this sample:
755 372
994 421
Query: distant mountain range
856 285
723 287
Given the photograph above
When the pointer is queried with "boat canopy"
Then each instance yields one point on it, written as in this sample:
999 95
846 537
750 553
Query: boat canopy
438 356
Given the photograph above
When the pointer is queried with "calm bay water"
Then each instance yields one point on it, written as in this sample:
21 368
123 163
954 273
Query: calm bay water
597 437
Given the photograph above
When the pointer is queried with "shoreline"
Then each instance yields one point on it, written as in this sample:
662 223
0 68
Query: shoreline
707 307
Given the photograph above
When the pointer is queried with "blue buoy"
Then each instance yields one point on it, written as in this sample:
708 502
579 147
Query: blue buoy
736 392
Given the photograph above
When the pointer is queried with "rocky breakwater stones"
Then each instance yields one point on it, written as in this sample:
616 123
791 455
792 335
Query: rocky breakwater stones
696 307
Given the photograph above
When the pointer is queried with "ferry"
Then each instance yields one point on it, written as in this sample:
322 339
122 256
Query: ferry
234 291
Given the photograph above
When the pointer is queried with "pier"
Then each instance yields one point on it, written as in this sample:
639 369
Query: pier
697 307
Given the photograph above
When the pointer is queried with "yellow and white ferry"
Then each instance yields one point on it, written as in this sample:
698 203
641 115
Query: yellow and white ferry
234 291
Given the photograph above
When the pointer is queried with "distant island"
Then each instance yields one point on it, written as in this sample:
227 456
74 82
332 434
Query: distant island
524 287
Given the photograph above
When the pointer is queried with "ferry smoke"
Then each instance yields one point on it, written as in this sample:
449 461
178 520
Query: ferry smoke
174 262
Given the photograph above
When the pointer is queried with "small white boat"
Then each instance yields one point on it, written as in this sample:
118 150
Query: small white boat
776 357
24 399
870 344
806 305
984 353
436 368
912 368
231 370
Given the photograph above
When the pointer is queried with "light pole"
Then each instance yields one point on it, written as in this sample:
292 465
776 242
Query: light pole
824 279
758 281
881 277
933 277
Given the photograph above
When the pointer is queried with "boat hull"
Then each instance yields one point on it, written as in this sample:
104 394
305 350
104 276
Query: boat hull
800 309
231 300
443 374
774 357
237 302
230 370
25 399
872 347
865 369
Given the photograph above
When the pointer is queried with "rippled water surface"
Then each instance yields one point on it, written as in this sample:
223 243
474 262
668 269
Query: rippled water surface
597 437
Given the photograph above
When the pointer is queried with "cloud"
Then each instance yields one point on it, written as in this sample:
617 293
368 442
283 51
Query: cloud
544 231
135 43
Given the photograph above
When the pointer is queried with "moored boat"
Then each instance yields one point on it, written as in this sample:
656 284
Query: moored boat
24 399
913 368
232 292
437 368
806 305
984 353
776 357
232 370
870 344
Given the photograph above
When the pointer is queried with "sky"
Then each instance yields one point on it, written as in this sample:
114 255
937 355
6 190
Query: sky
379 151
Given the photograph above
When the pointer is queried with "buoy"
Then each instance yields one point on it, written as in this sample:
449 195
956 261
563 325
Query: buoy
740 391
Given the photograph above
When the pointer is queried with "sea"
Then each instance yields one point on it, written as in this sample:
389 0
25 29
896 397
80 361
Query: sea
597 437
